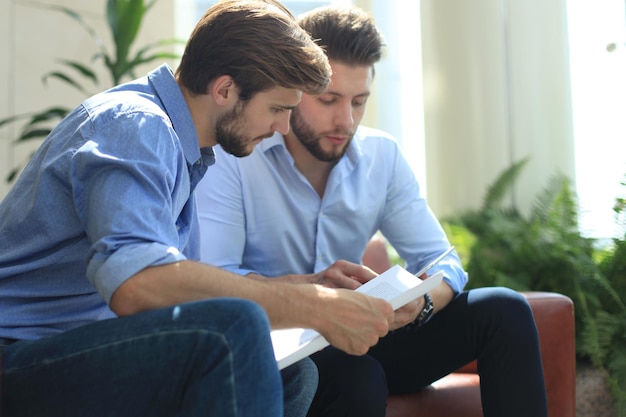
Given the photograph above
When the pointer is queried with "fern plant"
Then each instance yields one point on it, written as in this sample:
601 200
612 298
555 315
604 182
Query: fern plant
544 251
613 267
124 19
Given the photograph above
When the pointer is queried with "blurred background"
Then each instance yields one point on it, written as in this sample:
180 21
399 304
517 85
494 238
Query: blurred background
467 87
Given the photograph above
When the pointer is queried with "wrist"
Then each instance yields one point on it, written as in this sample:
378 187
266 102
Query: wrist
427 311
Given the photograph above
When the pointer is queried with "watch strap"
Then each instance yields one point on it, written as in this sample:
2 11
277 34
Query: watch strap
427 311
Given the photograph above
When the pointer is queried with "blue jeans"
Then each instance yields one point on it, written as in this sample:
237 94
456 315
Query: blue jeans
493 325
206 358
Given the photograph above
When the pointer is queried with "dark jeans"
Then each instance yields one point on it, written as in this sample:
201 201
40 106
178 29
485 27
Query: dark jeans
493 325
207 358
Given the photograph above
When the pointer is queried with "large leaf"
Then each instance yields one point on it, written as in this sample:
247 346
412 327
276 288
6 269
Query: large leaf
47 115
124 18
66 79
82 69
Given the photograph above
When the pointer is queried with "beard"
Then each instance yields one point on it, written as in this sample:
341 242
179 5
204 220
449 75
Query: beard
229 132
311 140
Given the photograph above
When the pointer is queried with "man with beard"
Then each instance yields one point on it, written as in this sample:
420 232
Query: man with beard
306 202
104 308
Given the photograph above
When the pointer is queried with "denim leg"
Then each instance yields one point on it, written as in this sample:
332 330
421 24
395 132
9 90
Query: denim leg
207 358
299 386
494 326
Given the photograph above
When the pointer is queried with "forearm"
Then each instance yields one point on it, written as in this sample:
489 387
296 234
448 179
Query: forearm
442 295
341 274
349 320
291 278
286 305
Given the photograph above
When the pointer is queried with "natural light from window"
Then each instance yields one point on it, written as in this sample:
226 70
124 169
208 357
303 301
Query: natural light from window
599 102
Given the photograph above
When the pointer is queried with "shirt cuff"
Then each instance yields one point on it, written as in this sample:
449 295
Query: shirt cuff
107 273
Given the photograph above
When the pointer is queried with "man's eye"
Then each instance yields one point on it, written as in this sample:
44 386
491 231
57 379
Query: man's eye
278 110
327 101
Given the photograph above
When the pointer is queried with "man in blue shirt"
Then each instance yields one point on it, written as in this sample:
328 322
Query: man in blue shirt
309 201
104 308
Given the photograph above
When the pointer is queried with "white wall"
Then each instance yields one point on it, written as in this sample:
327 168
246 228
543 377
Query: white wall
5 87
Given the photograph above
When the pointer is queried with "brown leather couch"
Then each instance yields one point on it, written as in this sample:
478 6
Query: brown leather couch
458 394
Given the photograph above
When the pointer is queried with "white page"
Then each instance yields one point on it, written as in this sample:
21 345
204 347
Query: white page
396 285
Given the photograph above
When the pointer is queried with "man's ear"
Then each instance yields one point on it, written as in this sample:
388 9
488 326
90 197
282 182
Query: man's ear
223 90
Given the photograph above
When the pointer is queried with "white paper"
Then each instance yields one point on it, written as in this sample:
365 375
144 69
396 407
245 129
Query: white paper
396 285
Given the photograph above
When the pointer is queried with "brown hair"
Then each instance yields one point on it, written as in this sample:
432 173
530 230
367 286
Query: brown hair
259 44
349 35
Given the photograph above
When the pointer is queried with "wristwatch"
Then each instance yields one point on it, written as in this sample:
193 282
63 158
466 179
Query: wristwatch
427 311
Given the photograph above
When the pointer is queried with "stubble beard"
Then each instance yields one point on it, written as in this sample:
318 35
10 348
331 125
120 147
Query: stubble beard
228 132
311 140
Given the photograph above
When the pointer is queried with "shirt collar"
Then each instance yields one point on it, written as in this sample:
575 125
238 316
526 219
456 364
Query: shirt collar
166 87
276 140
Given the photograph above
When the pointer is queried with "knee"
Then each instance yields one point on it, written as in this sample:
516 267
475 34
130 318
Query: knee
498 299
511 302
247 319
240 321
505 307
249 311
232 310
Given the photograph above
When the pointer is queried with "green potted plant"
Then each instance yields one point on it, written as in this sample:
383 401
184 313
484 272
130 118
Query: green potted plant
124 19
544 251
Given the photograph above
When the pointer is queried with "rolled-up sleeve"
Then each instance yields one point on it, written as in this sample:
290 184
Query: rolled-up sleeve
107 273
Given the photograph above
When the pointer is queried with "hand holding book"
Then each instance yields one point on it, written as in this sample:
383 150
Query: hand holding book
397 286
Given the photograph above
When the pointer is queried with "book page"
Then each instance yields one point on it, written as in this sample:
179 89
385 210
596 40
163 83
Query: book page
396 285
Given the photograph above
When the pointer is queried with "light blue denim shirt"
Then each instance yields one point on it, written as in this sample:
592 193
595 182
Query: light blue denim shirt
107 194
260 214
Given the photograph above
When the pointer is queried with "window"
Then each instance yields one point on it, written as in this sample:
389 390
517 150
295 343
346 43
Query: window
597 34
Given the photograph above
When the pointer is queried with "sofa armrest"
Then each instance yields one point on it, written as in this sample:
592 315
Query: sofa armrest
554 317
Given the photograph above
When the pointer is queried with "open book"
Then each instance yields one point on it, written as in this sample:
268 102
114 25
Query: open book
396 285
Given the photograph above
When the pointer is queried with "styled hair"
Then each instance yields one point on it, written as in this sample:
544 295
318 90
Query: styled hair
348 35
259 44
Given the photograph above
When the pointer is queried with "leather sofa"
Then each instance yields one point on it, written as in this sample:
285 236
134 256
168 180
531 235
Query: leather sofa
458 394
